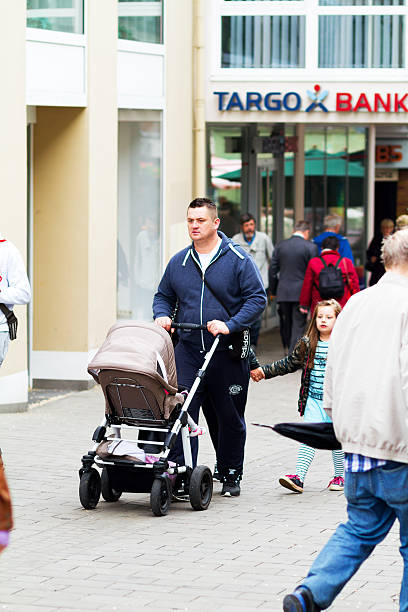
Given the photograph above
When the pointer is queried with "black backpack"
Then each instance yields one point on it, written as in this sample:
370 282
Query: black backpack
331 283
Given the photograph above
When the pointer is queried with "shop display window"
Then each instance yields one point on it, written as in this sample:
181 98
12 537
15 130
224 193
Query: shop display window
139 216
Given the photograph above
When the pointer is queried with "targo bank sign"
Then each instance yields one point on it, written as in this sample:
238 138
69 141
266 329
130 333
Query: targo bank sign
314 100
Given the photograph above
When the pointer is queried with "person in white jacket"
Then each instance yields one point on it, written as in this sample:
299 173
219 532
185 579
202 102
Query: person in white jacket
366 394
14 287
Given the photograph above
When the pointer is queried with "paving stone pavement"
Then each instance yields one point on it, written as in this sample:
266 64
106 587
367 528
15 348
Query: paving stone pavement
241 554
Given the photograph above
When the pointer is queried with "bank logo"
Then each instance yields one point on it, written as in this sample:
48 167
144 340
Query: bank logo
317 98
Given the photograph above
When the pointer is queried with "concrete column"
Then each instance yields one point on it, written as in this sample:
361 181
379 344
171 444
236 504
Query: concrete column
75 213
370 183
13 187
178 125
199 98
300 173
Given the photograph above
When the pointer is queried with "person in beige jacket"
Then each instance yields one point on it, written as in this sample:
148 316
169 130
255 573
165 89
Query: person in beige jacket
366 394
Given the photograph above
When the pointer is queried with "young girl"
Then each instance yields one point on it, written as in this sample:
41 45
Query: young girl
310 354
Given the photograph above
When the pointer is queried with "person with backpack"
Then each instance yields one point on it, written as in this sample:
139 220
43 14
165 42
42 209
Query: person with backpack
328 276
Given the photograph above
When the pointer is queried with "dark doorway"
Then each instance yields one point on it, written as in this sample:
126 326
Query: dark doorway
385 202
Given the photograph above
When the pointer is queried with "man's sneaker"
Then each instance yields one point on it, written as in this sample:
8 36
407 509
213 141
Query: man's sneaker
216 474
292 482
301 600
337 484
231 487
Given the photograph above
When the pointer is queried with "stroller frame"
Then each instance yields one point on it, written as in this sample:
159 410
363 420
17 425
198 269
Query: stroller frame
118 474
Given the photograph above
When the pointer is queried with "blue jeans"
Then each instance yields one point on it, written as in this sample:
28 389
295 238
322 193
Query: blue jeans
374 500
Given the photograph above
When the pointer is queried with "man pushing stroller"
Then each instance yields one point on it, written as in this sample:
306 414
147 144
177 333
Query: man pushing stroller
213 282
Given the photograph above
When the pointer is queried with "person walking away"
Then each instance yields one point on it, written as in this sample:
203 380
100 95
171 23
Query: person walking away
216 283
331 227
14 289
286 273
6 520
329 267
374 263
259 246
366 393
310 356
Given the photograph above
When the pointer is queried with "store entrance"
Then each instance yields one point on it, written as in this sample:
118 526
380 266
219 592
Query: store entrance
385 202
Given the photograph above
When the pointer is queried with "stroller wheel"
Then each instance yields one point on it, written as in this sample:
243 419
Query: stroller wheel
90 489
160 496
201 487
108 494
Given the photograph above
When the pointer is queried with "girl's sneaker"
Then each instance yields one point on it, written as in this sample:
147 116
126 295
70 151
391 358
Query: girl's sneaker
337 484
292 482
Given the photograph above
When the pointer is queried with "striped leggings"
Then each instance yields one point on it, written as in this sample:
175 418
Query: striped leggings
306 455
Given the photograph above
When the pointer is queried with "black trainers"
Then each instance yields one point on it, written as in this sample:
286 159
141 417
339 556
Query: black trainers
291 482
301 600
231 486
216 474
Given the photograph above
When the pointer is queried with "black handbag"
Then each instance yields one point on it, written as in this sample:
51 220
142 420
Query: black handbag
12 321
240 342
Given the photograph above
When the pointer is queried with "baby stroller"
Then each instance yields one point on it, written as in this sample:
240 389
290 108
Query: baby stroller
136 370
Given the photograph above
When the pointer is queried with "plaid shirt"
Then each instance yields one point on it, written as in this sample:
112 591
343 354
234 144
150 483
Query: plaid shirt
359 463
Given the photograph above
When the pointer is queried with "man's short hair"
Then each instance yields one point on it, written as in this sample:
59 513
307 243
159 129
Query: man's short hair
395 249
302 226
331 242
387 223
245 217
332 221
200 202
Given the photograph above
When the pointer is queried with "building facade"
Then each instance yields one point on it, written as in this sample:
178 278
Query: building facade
306 113
96 158
115 114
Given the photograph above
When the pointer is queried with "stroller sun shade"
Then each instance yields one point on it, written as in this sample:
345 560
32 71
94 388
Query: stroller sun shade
139 347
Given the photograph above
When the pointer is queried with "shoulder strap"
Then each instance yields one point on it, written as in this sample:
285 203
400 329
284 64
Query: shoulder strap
6 311
210 288
338 262
322 259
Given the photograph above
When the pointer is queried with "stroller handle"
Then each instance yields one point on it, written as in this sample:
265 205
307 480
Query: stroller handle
188 326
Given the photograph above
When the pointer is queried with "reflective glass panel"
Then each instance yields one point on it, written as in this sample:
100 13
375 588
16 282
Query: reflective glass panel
58 15
361 41
225 175
263 41
139 217
141 20
362 2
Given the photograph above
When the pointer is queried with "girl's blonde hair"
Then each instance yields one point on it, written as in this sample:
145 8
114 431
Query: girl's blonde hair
313 333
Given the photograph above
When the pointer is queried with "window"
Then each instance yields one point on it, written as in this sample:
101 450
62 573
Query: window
335 180
263 41
59 15
361 2
361 41
141 20
139 215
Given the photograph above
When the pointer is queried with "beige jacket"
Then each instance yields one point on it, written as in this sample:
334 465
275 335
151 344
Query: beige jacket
366 382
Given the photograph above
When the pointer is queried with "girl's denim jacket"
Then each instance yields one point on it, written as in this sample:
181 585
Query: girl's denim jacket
298 359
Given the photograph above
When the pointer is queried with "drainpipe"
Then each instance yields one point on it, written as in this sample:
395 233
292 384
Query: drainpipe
199 176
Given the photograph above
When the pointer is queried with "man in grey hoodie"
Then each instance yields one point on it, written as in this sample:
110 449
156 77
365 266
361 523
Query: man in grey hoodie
366 393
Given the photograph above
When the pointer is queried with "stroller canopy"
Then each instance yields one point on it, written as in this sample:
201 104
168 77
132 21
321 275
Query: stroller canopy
136 346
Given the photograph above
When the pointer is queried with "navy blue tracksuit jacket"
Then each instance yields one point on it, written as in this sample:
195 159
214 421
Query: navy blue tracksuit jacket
223 392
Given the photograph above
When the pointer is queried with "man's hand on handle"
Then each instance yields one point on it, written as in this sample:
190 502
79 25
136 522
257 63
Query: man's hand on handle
217 327
163 322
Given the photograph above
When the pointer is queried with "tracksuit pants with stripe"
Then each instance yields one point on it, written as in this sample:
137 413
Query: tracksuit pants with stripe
223 395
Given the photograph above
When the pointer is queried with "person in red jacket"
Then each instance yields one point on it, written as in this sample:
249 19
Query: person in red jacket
309 296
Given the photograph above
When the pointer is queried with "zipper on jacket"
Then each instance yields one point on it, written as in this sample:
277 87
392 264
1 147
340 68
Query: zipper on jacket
202 292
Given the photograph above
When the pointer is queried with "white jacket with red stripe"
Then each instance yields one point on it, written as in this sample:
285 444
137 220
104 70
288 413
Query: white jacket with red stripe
14 284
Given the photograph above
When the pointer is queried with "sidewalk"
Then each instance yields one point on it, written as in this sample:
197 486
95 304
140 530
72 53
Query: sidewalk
241 554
